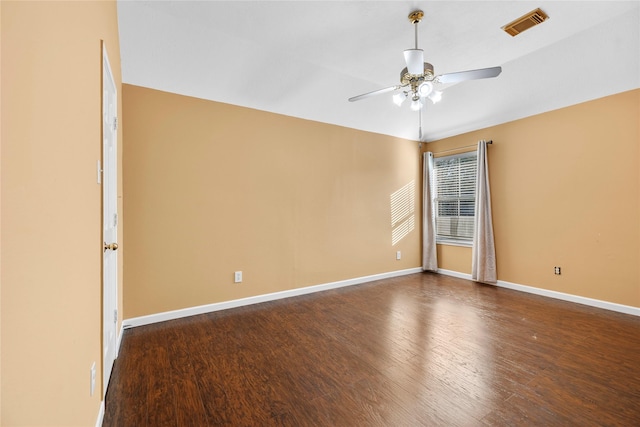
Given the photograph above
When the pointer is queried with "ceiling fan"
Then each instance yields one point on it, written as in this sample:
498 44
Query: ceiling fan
417 79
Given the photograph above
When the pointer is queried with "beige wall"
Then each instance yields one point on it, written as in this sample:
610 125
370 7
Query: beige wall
565 192
212 188
51 208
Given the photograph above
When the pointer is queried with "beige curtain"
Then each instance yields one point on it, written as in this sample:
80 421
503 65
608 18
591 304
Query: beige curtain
483 264
429 257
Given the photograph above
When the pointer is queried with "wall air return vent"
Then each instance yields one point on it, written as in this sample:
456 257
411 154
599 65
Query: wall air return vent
525 22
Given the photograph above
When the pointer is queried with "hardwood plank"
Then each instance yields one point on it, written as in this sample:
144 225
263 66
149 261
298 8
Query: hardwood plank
584 402
189 408
161 402
519 411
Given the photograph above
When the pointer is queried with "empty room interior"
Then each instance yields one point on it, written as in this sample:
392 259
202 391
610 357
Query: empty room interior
319 213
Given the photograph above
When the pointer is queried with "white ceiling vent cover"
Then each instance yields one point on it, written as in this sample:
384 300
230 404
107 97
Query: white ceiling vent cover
531 19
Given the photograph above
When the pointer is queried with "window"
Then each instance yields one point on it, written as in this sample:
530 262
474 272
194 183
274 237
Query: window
454 197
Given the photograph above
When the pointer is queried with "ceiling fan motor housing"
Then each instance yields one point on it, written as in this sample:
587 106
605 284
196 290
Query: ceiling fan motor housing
407 78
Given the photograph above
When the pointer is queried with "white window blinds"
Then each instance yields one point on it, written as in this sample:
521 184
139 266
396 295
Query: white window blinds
454 188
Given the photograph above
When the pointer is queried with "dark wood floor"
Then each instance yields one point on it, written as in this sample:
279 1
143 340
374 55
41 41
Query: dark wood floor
419 350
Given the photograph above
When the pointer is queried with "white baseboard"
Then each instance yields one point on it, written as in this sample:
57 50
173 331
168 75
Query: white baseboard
208 308
454 274
100 415
626 309
119 340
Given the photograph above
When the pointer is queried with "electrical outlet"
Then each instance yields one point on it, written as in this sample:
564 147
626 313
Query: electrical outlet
398 255
237 277
556 270
93 379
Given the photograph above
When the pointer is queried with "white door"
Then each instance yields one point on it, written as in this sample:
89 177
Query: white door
109 220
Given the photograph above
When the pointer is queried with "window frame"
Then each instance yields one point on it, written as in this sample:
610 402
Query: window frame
448 240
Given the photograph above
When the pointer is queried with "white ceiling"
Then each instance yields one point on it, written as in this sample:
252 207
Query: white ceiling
305 58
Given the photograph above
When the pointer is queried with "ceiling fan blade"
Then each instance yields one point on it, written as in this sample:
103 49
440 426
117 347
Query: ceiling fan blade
375 92
461 76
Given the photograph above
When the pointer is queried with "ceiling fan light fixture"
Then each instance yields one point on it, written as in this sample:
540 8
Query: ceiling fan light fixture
435 96
425 89
415 61
416 104
399 98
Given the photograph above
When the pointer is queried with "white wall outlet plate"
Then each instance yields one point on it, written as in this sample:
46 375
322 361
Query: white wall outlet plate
237 277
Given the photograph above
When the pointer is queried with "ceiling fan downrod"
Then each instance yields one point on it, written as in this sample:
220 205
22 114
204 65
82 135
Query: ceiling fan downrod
415 17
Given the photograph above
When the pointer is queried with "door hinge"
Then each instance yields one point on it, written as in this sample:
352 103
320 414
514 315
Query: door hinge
115 123
115 316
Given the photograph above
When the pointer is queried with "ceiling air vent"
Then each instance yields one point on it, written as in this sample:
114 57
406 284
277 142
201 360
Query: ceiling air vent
525 22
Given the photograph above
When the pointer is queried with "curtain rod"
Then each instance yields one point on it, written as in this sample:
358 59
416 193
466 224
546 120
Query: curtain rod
461 148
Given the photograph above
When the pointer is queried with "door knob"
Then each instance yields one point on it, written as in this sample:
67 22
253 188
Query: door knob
112 246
